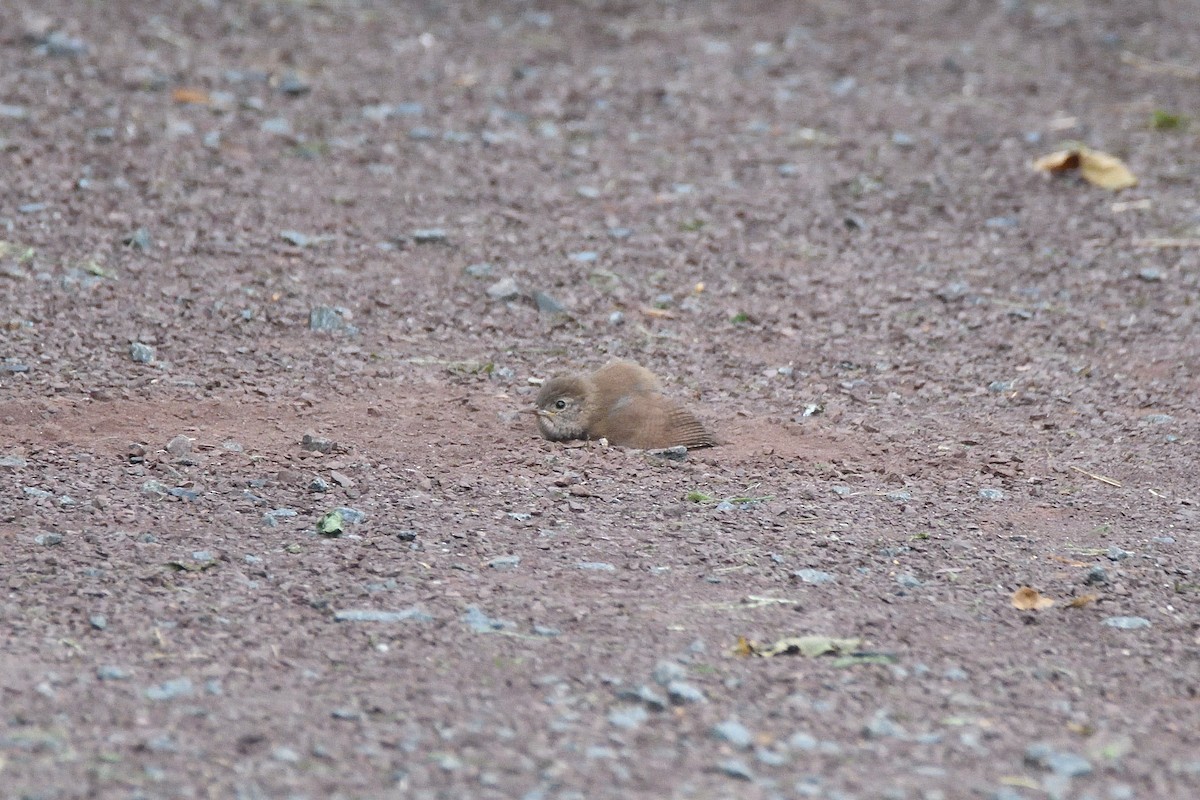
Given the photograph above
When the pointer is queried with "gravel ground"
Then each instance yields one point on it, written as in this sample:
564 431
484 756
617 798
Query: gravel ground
277 280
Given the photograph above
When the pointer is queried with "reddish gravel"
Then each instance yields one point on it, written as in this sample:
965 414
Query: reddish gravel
781 209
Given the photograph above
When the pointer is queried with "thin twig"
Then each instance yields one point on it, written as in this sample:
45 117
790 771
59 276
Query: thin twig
1094 476
1165 243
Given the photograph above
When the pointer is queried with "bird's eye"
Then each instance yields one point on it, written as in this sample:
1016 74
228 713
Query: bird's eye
560 404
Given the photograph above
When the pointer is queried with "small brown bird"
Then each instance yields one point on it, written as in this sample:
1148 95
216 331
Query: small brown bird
621 402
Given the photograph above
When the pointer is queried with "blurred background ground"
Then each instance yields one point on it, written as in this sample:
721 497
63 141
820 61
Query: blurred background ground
941 377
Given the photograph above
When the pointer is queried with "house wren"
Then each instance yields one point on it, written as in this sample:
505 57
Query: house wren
621 402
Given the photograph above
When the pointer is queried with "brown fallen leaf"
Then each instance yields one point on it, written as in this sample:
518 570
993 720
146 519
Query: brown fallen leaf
1083 600
1029 599
1097 168
186 96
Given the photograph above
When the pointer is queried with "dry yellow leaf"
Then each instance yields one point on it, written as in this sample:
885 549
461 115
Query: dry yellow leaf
1097 168
808 646
1083 600
186 96
744 647
1029 599
1058 161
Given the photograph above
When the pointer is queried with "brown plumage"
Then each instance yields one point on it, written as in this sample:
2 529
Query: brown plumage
621 402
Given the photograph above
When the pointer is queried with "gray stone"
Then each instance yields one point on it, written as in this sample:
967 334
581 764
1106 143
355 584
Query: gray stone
735 733
596 566
286 755
505 562
1127 623
13 462
547 304
735 768
278 126
479 622
351 516
667 671
170 690
881 726
429 236
327 319
316 444
994 495
504 290
1059 762
628 717
141 353
814 576
411 614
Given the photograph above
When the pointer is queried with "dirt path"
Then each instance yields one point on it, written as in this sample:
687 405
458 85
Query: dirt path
939 376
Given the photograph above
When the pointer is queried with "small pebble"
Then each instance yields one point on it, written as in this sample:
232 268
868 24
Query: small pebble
666 672
108 672
682 693
170 690
1059 762
504 290
628 717
480 622
412 614
994 495
278 126
429 236
735 768
596 566
285 754
141 353
813 576
547 304
735 733
327 319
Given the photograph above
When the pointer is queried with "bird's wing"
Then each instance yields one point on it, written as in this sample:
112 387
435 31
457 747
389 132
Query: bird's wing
650 421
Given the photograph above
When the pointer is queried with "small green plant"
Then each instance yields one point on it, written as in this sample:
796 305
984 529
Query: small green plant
1162 120
740 318
697 496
